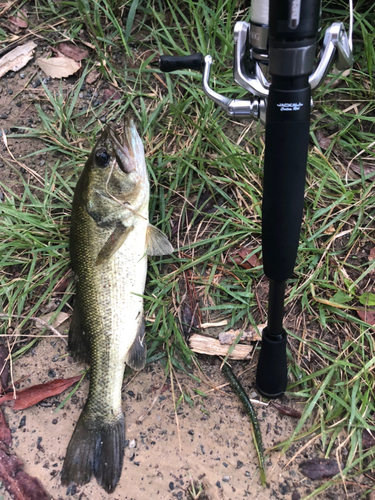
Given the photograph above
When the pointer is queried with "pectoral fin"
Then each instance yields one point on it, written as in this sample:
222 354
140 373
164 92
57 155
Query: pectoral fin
156 242
114 242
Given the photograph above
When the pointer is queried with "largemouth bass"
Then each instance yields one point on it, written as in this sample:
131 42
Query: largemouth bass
110 239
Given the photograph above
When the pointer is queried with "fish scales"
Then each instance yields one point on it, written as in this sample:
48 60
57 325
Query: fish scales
109 241
117 284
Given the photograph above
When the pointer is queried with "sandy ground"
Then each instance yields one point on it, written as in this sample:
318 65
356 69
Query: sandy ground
211 445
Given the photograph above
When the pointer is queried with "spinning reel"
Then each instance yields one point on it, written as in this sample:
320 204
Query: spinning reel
252 54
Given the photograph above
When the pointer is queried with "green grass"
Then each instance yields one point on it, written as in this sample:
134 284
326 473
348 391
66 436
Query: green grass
192 147
34 249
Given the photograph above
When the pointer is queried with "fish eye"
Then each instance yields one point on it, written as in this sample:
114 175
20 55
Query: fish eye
102 157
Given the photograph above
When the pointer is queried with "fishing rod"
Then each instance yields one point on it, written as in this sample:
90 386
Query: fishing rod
274 60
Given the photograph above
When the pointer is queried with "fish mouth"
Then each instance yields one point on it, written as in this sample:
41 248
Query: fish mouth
123 151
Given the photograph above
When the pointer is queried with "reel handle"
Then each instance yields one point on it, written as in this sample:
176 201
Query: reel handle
167 64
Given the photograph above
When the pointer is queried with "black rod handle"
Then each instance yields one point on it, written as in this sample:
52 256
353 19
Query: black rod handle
287 139
271 377
175 63
292 40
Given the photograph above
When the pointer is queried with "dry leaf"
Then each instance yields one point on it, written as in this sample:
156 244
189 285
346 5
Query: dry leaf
367 169
286 410
92 76
68 49
330 230
59 319
11 27
58 67
368 439
241 258
63 284
52 305
319 468
32 395
324 142
17 58
5 434
367 315
19 484
111 94
20 19
371 257
189 319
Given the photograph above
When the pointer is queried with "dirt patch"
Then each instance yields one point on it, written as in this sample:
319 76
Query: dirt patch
208 445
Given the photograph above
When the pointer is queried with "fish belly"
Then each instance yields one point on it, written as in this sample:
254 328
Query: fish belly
121 287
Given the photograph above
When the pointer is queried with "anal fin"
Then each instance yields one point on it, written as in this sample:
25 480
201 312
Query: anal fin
136 356
78 342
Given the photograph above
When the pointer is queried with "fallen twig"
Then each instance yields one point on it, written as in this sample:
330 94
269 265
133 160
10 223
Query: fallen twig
208 345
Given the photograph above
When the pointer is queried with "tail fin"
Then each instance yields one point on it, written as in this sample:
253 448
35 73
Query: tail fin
95 449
